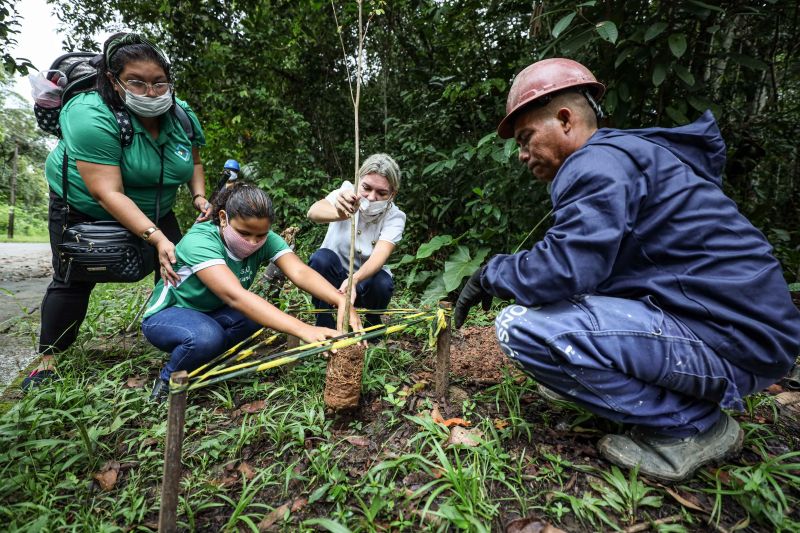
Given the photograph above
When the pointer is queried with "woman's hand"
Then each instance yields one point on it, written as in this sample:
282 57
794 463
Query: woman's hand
205 208
165 252
347 203
343 290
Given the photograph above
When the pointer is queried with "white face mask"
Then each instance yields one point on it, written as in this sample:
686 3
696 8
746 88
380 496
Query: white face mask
370 210
146 106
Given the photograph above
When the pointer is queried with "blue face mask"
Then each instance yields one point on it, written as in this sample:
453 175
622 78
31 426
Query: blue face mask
146 106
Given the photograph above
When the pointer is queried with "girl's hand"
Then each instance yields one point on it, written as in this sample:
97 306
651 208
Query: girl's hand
165 251
347 203
355 320
316 334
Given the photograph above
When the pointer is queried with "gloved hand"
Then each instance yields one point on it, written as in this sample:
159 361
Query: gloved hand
470 295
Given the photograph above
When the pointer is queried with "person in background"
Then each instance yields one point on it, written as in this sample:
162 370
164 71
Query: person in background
210 308
651 300
379 227
109 182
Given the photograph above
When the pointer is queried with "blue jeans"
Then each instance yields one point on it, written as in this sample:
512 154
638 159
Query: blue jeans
372 293
625 360
193 338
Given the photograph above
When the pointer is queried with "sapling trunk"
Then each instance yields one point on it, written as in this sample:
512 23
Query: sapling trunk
345 367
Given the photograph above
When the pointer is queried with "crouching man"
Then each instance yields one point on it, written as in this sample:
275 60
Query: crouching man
651 300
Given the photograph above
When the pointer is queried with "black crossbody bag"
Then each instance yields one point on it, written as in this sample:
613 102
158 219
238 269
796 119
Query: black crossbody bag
104 251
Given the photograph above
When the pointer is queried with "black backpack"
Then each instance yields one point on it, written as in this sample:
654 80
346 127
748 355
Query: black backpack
80 71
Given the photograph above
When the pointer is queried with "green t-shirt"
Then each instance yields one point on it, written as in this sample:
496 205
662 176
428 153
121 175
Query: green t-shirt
201 248
91 133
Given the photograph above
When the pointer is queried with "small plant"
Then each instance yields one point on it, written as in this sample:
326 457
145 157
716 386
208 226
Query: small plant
626 495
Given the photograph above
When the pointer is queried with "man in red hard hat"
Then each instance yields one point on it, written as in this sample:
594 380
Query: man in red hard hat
651 300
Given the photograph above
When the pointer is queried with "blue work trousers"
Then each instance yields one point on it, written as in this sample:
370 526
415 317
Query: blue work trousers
625 360
372 293
193 338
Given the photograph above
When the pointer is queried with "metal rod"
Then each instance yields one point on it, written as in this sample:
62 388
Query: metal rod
168 515
442 370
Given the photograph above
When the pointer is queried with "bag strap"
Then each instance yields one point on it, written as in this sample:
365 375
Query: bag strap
158 191
183 117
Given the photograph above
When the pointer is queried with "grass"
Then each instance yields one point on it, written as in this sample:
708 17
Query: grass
37 238
387 468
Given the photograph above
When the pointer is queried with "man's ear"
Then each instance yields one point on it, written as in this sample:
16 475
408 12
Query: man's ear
564 116
223 218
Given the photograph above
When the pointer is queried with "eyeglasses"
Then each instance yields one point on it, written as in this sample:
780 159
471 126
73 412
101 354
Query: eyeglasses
140 88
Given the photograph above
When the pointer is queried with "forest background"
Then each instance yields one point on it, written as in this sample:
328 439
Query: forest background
269 81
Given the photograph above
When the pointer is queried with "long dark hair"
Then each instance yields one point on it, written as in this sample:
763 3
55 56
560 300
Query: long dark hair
133 47
242 200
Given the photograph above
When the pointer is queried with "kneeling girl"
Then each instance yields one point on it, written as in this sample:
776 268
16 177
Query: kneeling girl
210 309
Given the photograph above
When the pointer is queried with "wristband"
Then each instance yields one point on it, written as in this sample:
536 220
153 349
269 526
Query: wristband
197 195
149 233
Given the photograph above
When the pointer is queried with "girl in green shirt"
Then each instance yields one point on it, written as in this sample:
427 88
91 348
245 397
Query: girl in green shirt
209 309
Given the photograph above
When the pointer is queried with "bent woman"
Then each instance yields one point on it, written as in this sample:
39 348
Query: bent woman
210 309
379 227
107 181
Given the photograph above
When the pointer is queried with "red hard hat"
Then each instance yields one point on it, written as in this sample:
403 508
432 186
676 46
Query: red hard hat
541 78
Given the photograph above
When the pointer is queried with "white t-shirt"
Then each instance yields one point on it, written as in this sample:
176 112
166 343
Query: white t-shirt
387 227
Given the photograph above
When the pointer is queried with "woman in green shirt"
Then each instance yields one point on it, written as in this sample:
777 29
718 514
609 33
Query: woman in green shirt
110 182
210 309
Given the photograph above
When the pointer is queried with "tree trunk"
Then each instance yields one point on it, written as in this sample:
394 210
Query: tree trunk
13 196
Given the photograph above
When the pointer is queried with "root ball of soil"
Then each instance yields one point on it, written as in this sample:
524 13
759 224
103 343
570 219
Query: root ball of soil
343 378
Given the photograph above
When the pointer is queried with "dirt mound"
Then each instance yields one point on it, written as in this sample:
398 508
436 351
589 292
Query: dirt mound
343 378
475 356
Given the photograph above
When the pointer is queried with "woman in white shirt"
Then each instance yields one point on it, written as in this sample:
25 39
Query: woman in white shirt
379 227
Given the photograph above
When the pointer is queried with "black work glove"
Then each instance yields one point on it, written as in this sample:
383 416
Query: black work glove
470 295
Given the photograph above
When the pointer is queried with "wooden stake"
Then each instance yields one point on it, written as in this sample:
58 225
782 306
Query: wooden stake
442 370
168 515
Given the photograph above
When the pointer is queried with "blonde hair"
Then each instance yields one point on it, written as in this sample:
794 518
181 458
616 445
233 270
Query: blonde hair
384 165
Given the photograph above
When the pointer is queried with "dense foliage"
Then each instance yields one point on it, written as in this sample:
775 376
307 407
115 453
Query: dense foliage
270 83
19 134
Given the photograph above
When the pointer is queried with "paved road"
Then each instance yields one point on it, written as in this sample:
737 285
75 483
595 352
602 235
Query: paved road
25 271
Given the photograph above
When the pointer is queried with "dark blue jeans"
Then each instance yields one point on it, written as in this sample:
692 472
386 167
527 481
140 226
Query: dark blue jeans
193 338
625 360
373 293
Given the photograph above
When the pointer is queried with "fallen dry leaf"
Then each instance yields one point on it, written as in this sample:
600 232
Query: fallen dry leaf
136 382
107 476
437 417
356 440
298 504
531 524
687 501
789 404
253 407
465 437
246 470
774 389
269 520
499 423
435 414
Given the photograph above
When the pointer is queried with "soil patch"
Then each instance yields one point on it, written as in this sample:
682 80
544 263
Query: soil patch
343 378
476 358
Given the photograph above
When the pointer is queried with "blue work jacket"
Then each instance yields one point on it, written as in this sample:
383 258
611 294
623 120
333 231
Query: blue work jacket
641 213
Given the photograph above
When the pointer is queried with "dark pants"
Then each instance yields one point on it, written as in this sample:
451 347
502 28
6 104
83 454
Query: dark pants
625 360
193 338
64 304
373 293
